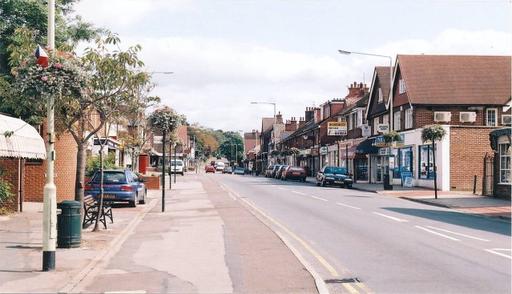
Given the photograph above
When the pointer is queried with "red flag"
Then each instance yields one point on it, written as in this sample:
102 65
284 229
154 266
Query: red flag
42 57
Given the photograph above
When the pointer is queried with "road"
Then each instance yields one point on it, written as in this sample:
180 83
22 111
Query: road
366 242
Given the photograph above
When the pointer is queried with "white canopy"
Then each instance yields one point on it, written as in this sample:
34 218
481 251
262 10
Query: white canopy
19 139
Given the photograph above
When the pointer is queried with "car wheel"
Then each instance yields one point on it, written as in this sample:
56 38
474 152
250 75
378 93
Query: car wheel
318 184
349 186
304 180
322 184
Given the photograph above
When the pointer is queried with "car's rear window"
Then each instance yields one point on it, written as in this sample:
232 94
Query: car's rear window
110 178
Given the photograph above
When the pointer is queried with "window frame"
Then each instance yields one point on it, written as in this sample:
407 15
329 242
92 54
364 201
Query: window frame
401 86
397 126
502 155
408 119
495 110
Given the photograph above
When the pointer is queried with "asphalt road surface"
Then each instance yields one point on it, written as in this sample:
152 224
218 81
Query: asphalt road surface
365 242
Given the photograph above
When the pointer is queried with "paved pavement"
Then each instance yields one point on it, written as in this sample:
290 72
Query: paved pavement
205 242
367 242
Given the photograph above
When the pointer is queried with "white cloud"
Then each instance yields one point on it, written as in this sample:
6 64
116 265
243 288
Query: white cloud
121 13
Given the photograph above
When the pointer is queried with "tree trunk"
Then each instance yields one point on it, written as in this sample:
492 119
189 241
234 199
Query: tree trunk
99 215
80 174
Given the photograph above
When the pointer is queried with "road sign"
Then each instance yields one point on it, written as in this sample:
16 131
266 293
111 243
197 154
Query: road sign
323 150
337 128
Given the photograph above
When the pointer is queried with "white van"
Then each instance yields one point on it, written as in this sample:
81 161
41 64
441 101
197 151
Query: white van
219 166
177 166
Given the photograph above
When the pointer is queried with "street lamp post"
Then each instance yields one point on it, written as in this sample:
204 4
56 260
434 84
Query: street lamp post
391 120
269 103
50 190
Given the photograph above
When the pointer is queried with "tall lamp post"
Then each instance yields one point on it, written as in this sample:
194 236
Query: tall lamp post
50 190
391 118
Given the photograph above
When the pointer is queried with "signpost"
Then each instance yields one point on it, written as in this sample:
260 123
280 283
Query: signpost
337 128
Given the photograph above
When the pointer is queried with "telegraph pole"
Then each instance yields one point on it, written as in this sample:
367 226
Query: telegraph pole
50 191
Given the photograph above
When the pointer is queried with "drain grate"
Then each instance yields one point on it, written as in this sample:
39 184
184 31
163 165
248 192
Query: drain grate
342 281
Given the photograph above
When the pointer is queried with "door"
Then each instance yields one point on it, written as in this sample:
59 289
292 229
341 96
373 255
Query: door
379 169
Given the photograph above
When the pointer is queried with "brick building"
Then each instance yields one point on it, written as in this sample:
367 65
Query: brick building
467 95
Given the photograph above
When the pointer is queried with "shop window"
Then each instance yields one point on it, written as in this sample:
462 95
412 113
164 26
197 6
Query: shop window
504 153
403 162
426 162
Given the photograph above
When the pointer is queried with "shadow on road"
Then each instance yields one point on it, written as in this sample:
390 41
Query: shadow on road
457 218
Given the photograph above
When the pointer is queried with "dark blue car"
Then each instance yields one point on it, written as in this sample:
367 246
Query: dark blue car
333 175
118 185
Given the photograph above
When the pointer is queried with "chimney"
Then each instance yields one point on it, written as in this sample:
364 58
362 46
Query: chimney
293 123
309 114
288 125
302 122
357 90
318 114
279 118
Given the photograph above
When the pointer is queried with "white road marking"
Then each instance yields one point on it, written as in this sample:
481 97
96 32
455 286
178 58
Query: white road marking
346 205
495 251
299 193
127 292
436 233
283 188
232 196
319 198
458 234
390 217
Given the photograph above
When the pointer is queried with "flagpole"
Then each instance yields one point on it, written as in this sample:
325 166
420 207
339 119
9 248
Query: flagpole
50 191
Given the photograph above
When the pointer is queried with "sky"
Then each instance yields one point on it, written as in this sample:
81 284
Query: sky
226 53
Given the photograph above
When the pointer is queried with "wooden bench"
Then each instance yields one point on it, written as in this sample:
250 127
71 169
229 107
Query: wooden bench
91 207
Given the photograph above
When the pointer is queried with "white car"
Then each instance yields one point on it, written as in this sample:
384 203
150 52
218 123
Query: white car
177 167
219 166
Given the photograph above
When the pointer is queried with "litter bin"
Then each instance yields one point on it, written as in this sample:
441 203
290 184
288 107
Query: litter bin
69 225
387 186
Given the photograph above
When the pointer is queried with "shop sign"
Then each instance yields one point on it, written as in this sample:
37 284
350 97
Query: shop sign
337 128
324 150
366 130
384 151
383 128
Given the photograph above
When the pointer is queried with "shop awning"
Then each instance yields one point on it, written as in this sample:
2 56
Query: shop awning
366 147
19 139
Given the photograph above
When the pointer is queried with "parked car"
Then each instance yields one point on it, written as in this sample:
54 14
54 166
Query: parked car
333 175
294 173
274 171
118 185
269 170
219 166
209 169
177 166
280 171
239 170
227 170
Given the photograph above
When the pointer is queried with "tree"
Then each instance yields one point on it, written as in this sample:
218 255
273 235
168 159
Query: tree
91 91
232 146
432 134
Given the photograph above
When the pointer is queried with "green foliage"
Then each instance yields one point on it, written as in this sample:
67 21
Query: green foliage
6 196
391 137
165 119
432 133
232 146
94 164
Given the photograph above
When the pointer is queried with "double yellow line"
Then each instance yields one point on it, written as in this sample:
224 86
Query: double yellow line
350 287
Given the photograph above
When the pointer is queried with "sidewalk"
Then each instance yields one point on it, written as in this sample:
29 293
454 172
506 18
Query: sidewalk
460 201
21 250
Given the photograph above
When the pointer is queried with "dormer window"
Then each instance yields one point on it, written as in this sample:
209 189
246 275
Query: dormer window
401 86
381 97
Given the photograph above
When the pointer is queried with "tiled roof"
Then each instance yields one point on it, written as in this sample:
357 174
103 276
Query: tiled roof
266 123
383 74
451 79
